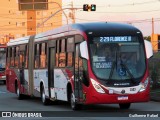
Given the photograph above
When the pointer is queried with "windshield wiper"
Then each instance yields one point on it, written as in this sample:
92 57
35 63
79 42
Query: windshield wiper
112 69
127 69
113 66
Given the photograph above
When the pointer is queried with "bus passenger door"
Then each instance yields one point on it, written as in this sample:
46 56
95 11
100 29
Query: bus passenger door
51 64
78 75
21 66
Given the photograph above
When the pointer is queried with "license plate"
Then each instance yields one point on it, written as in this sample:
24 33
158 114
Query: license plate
122 97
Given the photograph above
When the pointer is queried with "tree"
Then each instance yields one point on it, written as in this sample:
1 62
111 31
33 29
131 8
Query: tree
147 38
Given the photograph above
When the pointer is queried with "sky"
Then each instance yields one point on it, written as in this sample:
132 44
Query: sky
138 13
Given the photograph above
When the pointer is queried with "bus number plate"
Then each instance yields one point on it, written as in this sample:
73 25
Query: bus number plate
122 97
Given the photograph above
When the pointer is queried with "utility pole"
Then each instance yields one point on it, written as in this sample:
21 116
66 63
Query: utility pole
152 26
72 15
152 37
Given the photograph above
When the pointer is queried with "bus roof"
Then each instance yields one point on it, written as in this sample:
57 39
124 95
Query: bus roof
107 28
96 28
2 45
18 41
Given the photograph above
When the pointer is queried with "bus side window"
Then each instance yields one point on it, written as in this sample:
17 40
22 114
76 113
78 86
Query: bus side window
57 52
12 57
43 55
70 51
16 56
36 63
62 53
8 57
26 56
22 56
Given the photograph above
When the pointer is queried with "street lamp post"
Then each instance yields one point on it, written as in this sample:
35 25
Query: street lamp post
55 14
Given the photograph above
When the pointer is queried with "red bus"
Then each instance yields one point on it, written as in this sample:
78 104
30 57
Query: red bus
89 63
2 63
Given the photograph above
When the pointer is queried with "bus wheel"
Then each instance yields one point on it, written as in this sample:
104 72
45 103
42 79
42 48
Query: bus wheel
18 93
124 105
74 105
4 81
43 96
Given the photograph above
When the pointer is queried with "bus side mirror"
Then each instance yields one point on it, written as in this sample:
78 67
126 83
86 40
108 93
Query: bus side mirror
84 50
149 49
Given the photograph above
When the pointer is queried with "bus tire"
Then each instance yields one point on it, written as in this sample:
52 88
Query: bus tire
4 82
19 95
44 100
124 105
73 103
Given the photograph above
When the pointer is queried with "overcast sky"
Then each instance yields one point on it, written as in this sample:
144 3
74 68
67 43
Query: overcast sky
136 12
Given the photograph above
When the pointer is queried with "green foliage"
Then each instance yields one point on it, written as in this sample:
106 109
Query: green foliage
147 38
154 70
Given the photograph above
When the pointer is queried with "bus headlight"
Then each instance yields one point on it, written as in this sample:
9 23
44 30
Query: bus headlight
96 86
144 85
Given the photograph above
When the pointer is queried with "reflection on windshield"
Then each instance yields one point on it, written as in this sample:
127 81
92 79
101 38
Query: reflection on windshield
118 61
2 59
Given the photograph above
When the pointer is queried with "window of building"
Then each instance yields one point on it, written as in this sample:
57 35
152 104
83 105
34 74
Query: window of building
23 12
18 24
23 23
33 4
38 13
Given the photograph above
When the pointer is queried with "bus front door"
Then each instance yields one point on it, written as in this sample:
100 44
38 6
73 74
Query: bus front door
51 64
78 76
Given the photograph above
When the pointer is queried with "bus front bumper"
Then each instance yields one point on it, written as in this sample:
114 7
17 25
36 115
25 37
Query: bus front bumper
117 98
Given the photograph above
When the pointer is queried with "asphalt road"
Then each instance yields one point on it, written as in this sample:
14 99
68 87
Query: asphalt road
62 110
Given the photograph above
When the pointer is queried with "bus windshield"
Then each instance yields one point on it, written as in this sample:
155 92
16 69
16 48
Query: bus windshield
117 57
2 58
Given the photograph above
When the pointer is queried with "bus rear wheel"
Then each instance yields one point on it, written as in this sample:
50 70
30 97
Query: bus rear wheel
44 100
124 105
19 95
74 105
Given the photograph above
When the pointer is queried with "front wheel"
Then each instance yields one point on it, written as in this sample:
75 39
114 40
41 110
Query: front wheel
4 82
74 105
124 105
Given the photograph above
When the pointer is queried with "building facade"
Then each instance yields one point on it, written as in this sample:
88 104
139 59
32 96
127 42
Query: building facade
155 40
16 22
